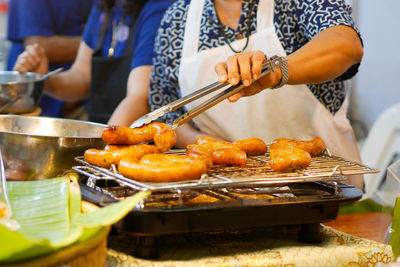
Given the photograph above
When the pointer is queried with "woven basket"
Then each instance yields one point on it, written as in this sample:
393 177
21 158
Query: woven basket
91 252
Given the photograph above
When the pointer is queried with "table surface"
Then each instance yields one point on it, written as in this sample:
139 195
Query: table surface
258 247
371 225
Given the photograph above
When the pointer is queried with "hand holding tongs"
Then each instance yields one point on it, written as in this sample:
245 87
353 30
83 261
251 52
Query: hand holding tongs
269 66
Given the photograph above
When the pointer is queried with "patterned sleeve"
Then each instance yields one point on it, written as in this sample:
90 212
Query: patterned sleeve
164 84
316 16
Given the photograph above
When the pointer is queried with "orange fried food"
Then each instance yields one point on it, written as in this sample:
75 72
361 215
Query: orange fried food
165 138
203 152
113 154
228 154
252 146
224 144
204 139
314 146
219 153
163 135
162 168
122 135
202 199
202 148
229 157
288 158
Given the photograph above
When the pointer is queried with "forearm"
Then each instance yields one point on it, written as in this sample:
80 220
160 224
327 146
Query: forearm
73 84
325 57
135 104
58 48
70 85
128 111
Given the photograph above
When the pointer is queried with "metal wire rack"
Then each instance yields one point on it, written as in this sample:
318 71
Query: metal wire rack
326 168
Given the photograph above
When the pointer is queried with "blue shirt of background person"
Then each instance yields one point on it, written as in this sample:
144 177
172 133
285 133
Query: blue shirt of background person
45 18
144 35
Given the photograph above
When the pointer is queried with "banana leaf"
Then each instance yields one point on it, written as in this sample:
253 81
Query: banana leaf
50 218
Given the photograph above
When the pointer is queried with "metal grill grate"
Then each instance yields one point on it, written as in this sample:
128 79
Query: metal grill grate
325 168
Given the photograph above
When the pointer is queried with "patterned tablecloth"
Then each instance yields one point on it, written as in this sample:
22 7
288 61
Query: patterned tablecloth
253 248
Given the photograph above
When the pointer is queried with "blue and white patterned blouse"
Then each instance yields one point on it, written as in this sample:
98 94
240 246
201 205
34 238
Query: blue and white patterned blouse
296 22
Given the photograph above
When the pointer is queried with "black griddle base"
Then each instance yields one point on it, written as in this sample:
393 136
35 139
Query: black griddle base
151 247
148 225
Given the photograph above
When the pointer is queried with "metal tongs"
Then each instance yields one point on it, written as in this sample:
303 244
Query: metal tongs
269 66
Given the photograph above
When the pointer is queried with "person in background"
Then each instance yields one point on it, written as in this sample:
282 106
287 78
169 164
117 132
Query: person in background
55 25
115 54
317 47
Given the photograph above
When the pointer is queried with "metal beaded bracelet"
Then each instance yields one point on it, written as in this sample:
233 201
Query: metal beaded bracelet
282 62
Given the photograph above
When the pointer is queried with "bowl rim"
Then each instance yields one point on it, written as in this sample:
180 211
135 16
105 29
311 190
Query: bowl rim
24 117
35 75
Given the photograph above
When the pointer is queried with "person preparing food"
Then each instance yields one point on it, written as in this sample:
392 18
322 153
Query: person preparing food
316 45
116 47
56 26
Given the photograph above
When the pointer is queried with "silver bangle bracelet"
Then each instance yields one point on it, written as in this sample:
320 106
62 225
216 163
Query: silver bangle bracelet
282 62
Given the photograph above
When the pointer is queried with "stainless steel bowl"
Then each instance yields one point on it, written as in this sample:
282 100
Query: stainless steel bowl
40 147
21 92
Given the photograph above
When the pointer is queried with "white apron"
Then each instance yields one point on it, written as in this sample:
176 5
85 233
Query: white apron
291 111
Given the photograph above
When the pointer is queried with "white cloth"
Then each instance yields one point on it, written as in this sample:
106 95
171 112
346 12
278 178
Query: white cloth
291 111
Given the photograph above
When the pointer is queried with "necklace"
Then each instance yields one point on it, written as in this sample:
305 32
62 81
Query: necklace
248 28
114 38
